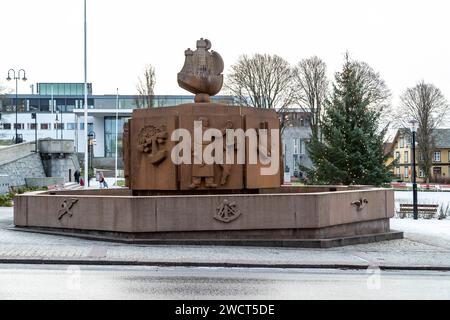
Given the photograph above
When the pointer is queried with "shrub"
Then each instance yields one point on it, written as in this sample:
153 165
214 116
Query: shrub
6 200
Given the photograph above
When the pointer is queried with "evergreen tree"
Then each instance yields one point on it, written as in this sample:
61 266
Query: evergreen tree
351 149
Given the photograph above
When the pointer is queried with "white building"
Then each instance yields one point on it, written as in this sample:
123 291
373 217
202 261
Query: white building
60 114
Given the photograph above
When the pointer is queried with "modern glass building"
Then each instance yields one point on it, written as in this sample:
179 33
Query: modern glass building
61 89
60 114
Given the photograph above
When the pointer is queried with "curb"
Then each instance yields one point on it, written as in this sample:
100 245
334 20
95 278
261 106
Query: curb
87 262
326 243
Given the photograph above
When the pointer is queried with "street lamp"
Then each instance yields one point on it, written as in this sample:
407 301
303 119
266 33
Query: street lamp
34 116
413 124
117 120
85 100
56 124
16 77
91 142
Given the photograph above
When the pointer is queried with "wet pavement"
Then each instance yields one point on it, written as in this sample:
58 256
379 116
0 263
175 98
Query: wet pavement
107 282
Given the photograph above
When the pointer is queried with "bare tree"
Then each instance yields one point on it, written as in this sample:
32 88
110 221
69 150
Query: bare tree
377 94
311 87
3 91
425 104
145 88
262 81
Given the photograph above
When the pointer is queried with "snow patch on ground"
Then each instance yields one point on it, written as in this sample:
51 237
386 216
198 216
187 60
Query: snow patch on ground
432 227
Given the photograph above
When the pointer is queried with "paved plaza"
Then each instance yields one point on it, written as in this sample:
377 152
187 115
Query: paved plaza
426 246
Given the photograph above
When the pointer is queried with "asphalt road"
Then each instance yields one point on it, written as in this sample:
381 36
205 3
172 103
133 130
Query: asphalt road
117 282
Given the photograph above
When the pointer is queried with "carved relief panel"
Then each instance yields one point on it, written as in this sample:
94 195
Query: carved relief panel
150 148
202 175
265 173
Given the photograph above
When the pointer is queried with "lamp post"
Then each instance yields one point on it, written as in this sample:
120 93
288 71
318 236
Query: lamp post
34 116
413 130
117 120
62 123
61 126
91 141
85 101
56 124
16 77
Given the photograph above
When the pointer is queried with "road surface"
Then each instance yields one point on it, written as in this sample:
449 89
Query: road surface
117 282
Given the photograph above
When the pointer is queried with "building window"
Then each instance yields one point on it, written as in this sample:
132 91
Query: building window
437 171
295 163
408 142
397 171
19 126
401 142
31 126
45 126
90 126
6 126
307 123
406 157
421 173
302 146
70 126
59 126
110 136
437 156
397 155
406 171
296 144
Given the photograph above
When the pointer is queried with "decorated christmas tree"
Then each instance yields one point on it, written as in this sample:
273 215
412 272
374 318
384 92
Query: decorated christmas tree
351 148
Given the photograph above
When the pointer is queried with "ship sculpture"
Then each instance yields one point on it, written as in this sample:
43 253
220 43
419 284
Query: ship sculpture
202 71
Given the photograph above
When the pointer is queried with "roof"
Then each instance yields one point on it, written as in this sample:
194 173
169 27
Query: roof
441 138
390 136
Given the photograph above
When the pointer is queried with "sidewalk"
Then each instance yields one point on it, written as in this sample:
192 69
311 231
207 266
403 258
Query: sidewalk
426 246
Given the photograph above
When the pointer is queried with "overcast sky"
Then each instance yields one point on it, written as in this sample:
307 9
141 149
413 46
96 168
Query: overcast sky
405 40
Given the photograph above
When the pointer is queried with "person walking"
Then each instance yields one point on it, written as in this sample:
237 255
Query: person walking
76 175
102 181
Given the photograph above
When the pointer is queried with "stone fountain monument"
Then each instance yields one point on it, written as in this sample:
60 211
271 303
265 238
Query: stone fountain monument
208 173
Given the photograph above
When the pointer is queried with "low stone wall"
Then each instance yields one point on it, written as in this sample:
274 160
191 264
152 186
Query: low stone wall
107 163
29 166
256 216
44 181
4 183
56 146
16 151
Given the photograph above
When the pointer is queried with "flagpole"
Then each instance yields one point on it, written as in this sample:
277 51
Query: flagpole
86 176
